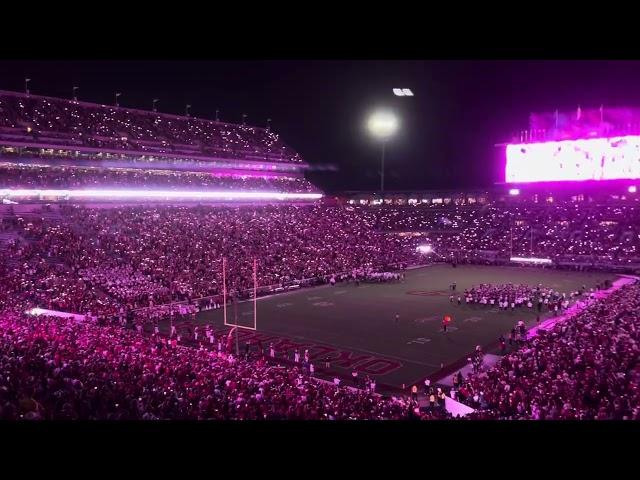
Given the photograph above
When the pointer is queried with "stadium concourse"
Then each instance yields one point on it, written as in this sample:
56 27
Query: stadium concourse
126 270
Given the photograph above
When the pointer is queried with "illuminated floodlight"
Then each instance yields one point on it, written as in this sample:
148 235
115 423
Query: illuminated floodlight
514 191
158 194
611 158
424 249
382 124
402 92
536 261
632 189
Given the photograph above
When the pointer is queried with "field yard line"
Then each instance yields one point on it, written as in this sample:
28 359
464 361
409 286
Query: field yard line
326 285
355 349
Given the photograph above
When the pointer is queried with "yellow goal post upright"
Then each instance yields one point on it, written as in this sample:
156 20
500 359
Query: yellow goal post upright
255 297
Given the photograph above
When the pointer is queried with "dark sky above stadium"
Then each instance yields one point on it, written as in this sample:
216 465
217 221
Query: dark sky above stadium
448 129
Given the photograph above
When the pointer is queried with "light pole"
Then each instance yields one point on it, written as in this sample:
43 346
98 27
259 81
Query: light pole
75 96
117 95
26 85
268 124
244 117
531 248
155 100
382 169
186 110
217 111
382 125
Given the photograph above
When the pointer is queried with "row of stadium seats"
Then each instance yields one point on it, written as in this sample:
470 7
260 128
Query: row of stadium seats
585 368
101 259
562 232
58 122
107 261
61 369
39 177
141 255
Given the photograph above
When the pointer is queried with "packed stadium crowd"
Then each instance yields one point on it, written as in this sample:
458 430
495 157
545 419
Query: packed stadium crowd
39 177
54 121
569 233
126 268
54 368
61 369
146 256
587 368
110 261
100 259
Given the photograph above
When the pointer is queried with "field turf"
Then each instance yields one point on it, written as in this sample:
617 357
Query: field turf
355 328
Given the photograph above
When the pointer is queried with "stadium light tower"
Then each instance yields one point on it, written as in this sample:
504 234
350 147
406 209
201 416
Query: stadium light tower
26 85
75 95
217 111
186 110
382 125
117 95
244 118
155 101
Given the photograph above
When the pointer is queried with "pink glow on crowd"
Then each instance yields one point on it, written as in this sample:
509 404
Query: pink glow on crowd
632 189
158 194
571 160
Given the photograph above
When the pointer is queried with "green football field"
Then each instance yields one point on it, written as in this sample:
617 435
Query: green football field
354 327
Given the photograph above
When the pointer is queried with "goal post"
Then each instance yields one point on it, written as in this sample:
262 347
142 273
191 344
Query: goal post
234 322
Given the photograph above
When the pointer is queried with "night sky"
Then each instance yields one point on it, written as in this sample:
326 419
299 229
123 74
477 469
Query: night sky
448 130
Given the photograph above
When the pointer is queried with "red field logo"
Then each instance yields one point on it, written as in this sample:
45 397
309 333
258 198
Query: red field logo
428 293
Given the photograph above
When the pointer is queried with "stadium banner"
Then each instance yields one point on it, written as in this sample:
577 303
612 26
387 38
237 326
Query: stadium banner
55 313
456 408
